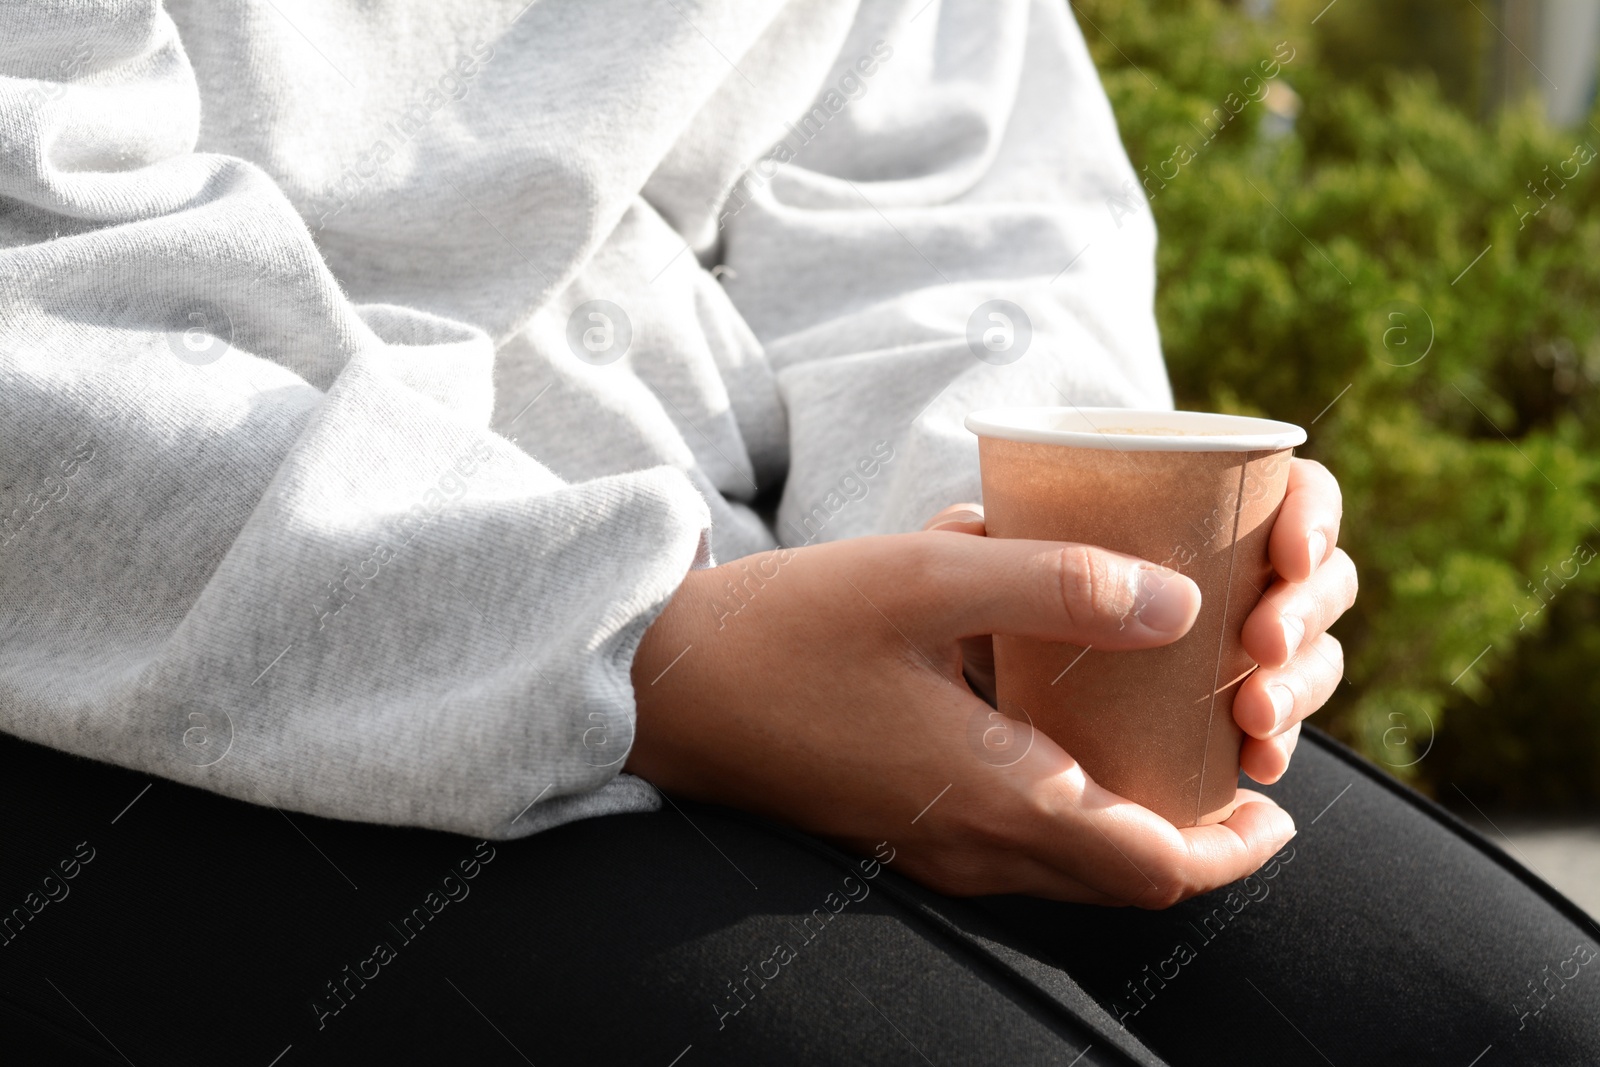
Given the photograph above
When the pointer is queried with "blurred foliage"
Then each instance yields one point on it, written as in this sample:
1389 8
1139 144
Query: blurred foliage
1365 40
1325 269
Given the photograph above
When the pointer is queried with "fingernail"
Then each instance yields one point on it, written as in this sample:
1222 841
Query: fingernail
1318 544
958 518
1294 630
1172 602
1282 698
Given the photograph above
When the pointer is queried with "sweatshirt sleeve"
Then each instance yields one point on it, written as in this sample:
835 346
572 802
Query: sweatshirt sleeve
256 538
952 225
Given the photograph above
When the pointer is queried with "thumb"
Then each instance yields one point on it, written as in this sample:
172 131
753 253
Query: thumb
1056 591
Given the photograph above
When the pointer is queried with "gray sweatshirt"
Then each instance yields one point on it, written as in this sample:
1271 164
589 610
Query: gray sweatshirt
372 373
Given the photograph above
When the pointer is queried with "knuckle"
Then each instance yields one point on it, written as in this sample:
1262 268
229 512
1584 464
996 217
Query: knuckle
1084 582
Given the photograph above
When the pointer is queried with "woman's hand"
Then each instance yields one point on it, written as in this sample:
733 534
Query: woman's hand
1301 663
823 687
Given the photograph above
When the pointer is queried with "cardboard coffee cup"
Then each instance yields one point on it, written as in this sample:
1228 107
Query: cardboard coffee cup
1192 491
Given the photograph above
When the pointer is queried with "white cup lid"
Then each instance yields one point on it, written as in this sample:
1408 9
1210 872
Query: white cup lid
1135 430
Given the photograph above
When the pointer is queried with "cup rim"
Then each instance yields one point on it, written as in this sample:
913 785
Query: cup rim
1085 427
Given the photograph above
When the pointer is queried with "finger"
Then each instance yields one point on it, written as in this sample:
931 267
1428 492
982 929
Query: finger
1273 699
1293 613
959 518
1241 797
1176 864
1051 590
1132 854
1307 526
1266 761
1224 852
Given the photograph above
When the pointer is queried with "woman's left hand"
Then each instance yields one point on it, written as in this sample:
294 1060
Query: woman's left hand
1300 662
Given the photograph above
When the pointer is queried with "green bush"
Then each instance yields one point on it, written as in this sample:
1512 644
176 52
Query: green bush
1330 274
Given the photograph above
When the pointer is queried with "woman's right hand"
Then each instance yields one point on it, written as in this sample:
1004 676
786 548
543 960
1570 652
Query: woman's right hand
822 687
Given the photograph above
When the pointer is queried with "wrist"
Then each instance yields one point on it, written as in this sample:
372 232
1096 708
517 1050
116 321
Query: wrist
657 694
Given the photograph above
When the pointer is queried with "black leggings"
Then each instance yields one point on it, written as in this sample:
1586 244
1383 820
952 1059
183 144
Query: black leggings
157 924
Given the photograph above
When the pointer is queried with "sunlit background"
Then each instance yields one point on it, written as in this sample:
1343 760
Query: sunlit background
1377 220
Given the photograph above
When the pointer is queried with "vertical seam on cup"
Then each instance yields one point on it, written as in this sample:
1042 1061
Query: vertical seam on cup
1222 636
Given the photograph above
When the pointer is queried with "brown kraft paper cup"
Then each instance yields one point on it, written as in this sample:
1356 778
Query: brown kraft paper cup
1188 492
